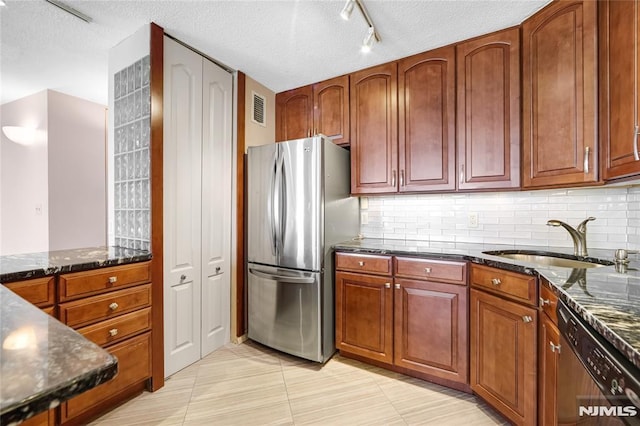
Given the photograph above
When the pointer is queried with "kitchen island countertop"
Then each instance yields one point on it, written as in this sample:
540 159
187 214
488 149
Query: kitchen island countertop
42 361
607 299
35 265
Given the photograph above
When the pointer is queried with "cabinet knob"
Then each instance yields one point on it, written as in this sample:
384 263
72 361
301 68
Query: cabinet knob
527 319
496 281
113 280
544 302
218 269
397 286
113 332
361 263
554 348
427 270
387 285
113 306
183 277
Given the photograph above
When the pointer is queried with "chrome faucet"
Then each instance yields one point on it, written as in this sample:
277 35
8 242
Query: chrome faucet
578 235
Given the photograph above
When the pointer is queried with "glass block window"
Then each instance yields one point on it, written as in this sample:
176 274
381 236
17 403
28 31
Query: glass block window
132 160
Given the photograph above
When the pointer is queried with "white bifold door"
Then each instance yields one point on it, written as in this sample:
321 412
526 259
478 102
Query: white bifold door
197 205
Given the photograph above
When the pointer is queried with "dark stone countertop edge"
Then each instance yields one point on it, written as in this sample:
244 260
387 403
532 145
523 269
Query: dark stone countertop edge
72 267
601 327
51 398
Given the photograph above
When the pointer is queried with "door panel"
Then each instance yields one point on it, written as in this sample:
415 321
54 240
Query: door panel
284 310
489 111
182 207
426 109
216 205
331 109
261 181
294 114
300 182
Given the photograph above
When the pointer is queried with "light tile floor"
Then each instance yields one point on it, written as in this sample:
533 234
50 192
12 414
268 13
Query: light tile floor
250 384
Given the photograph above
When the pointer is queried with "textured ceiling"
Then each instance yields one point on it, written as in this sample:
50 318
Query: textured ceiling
281 44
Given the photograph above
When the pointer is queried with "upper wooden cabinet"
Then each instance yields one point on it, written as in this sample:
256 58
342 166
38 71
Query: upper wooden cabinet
310 110
426 112
619 109
559 95
488 116
294 114
374 129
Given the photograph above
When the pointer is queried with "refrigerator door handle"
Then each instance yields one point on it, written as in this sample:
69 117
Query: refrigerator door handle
283 213
271 201
282 278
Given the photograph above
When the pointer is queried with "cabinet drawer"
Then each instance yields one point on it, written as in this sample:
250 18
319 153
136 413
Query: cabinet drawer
372 264
39 291
432 270
86 283
548 301
514 286
119 328
134 366
97 308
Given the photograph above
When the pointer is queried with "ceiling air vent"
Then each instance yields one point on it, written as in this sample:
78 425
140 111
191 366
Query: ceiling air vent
259 109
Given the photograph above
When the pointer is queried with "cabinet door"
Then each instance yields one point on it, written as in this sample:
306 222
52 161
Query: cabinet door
374 130
618 41
559 95
489 111
549 351
364 316
503 356
430 328
426 120
294 114
331 109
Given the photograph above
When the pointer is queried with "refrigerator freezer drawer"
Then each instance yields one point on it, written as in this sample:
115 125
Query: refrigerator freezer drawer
284 310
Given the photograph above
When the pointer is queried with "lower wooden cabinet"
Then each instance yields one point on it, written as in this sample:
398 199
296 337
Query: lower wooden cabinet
430 329
407 320
134 367
549 352
364 316
503 355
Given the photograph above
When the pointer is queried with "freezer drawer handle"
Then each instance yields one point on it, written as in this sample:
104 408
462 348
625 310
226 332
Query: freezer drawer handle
281 278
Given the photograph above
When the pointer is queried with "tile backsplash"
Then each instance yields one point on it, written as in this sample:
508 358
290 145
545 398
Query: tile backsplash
517 218
132 110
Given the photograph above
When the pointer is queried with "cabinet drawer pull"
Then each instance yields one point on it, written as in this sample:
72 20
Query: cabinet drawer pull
397 286
527 319
113 332
401 177
427 270
113 306
361 263
586 159
544 302
387 285
393 178
554 348
113 280
636 156
496 281
462 173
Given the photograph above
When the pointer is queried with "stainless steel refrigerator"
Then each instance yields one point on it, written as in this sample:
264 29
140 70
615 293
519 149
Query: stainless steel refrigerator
298 207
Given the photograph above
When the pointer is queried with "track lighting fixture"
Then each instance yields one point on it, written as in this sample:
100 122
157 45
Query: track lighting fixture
372 35
347 9
368 40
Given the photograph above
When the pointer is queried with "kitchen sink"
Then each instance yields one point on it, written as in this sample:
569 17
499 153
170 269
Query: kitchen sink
550 259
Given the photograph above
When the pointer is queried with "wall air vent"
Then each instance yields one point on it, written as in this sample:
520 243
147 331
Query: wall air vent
258 109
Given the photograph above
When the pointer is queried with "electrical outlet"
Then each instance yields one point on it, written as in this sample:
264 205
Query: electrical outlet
472 220
364 218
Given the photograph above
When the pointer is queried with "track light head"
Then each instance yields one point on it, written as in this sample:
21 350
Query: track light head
367 43
347 9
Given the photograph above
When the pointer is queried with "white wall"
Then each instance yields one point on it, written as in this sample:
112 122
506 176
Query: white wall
23 179
516 218
77 172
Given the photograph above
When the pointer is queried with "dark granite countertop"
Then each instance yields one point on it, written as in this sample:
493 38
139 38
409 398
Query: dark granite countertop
42 361
34 265
606 299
